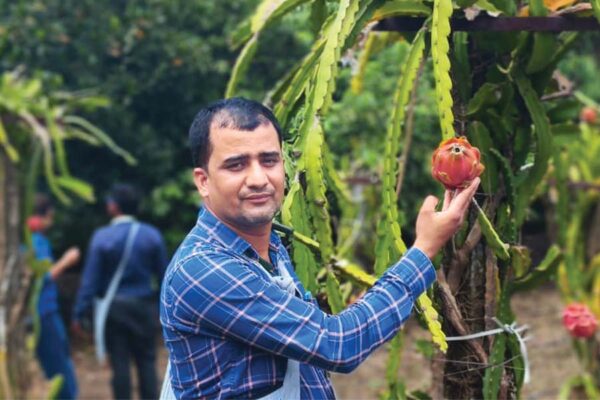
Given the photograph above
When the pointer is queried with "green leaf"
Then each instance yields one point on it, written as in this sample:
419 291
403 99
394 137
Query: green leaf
354 273
298 83
294 213
495 6
373 42
75 133
101 136
493 374
82 189
56 384
522 146
564 133
543 144
537 8
12 153
544 47
543 271
312 158
393 363
425 348
396 8
365 13
269 10
431 316
339 188
480 137
596 9
509 187
520 259
241 65
487 95
326 72
51 179
440 29
44 137
241 34
57 135
418 395
499 248
518 363
388 231
334 297
318 15
461 65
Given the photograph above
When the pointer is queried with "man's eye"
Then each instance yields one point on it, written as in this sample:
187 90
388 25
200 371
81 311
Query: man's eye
235 166
270 161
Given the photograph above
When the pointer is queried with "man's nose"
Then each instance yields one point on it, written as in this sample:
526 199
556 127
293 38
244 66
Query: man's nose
257 176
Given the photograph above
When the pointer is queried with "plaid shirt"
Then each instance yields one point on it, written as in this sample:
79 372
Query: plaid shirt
230 330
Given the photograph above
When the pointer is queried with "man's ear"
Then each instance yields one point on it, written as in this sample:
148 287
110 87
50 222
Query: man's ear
201 181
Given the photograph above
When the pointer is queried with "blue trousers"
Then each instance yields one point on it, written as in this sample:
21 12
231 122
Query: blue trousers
54 354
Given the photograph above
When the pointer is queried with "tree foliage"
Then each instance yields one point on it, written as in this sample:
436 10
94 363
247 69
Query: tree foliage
157 63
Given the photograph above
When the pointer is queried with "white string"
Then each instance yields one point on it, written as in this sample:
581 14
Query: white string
511 329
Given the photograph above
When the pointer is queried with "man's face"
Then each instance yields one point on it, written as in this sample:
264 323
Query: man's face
244 181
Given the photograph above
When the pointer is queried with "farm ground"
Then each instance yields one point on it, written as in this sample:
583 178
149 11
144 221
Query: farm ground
550 352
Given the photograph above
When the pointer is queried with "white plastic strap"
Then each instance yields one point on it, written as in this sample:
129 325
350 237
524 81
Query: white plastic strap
511 329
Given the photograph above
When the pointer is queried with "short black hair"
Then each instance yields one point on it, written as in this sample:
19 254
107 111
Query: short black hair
125 196
42 204
237 113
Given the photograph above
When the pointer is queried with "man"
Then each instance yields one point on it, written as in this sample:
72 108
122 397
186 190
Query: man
229 328
52 348
132 320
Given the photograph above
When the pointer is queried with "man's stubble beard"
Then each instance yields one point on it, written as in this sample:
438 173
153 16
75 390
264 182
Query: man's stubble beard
251 221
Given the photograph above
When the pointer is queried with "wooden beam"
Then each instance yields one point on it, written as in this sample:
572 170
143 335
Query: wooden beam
496 24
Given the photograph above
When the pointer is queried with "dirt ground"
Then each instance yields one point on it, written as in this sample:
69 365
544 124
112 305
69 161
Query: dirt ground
550 351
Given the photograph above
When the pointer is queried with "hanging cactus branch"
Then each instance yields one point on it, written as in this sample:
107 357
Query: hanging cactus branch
440 30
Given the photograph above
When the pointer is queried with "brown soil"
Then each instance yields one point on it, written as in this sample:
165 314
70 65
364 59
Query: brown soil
551 356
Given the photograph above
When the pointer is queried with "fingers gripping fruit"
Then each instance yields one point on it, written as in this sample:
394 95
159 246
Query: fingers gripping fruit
455 163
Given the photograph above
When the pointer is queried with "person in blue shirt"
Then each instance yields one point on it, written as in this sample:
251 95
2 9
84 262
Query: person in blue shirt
52 350
232 328
132 322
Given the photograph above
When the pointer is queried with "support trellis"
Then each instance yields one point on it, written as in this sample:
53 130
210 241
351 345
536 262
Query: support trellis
497 24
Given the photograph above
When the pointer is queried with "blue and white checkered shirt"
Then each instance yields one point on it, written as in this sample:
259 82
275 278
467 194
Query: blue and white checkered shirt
229 329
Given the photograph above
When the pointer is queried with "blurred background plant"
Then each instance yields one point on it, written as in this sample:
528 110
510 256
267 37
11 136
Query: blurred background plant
573 210
36 122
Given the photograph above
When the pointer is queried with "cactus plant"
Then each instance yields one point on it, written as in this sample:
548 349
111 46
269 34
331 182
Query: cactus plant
497 105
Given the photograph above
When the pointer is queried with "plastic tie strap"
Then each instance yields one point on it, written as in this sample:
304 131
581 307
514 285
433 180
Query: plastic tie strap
512 329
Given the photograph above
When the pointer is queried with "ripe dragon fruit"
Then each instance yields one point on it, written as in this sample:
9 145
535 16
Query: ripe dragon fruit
579 320
455 163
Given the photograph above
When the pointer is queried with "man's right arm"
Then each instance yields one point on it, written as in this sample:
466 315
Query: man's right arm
230 298
215 290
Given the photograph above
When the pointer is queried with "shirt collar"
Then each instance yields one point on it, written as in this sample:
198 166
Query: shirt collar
122 219
220 232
